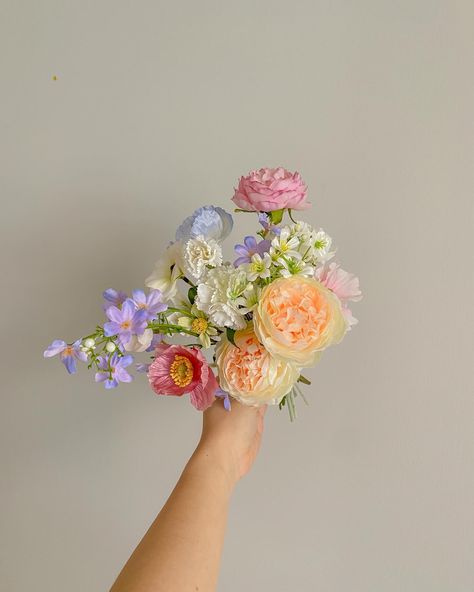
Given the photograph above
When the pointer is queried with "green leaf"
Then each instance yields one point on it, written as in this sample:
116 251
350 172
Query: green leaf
231 335
276 216
192 292
303 379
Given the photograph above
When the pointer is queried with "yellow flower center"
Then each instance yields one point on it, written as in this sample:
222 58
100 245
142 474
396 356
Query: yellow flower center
199 325
181 371
125 325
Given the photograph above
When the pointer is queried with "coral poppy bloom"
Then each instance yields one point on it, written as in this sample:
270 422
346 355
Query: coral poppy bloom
177 370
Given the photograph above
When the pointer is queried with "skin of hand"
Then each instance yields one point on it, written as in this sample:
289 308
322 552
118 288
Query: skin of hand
232 438
182 548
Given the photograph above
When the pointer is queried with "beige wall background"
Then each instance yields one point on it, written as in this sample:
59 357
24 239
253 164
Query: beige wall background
158 107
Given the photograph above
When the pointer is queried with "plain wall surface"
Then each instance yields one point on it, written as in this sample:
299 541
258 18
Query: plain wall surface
158 108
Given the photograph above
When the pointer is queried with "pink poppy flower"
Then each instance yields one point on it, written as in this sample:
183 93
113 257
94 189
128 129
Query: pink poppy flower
177 370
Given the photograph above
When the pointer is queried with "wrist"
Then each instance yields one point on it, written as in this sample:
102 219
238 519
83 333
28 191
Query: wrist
219 468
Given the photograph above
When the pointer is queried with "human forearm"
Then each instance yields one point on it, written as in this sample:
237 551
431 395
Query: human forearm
182 548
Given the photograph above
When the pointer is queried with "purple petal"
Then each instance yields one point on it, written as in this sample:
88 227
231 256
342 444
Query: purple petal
114 296
157 338
139 321
111 328
80 355
123 376
241 261
142 367
70 364
101 376
263 247
139 296
251 243
114 314
128 309
241 250
111 383
55 348
125 361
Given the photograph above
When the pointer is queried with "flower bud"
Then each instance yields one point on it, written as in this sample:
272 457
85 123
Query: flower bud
89 343
110 347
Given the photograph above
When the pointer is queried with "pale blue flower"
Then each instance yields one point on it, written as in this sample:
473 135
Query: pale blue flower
209 222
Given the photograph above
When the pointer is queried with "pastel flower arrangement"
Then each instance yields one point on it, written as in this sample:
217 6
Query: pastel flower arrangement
251 325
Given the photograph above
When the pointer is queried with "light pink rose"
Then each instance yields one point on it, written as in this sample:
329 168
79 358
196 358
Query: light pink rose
345 286
267 190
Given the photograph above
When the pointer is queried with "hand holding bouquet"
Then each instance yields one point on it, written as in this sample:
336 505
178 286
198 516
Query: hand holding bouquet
251 325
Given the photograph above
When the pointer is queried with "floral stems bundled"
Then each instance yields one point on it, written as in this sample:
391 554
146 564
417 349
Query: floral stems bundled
252 325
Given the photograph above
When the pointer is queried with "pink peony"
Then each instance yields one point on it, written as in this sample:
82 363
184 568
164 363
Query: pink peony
177 370
266 190
345 286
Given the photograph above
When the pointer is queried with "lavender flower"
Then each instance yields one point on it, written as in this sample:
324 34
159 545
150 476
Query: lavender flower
125 322
250 248
223 395
68 353
115 297
267 224
142 367
112 370
157 338
152 303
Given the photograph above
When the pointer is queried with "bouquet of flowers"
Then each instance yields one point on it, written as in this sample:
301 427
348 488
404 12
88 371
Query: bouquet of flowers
246 329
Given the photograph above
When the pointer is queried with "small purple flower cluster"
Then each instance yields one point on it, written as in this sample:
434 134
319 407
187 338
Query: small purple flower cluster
128 318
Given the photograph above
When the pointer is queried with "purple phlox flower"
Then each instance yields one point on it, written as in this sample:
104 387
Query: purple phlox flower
157 338
249 248
125 322
112 370
267 224
115 297
225 396
142 367
152 303
68 353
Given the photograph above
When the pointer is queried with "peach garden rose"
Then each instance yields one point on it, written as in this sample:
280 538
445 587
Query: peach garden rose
297 317
251 374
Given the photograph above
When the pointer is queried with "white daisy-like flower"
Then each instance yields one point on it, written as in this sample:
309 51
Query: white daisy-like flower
251 295
285 245
200 253
221 296
259 267
296 267
322 243
197 322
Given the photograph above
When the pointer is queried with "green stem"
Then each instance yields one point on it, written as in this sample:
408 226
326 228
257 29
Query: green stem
175 328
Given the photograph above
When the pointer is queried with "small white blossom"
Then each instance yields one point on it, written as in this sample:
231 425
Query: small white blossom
259 267
322 246
285 246
296 267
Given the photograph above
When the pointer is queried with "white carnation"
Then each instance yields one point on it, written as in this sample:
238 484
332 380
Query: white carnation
198 254
221 295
